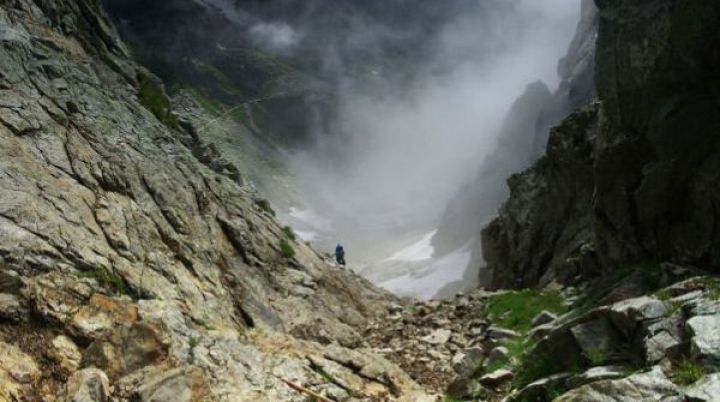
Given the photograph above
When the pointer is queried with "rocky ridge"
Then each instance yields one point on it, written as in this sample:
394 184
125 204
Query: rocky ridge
130 269
641 189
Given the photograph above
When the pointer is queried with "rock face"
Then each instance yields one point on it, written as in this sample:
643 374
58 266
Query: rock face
522 141
120 250
650 156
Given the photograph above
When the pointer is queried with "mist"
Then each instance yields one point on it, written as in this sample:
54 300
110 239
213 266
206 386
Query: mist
403 142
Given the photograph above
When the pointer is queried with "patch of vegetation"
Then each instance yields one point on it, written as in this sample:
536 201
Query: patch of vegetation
286 250
596 357
108 280
265 206
686 372
210 106
516 310
153 98
536 365
289 232
672 307
194 341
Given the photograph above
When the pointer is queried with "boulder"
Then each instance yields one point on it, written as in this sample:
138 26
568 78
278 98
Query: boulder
631 315
707 389
596 374
497 355
658 346
651 386
10 307
705 342
64 352
88 385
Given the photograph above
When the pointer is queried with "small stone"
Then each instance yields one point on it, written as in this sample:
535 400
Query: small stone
545 317
468 360
496 378
438 337
498 333
497 355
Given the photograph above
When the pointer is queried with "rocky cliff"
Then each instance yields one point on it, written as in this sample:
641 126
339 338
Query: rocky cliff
131 270
643 189
521 142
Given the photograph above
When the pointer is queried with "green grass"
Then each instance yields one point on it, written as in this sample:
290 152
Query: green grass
596 357
289 232
286 249
535 367
516 310
210 106
108 280
686 372
194 341
153 98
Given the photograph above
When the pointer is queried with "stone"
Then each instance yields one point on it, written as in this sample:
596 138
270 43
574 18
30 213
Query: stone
596 374
183 384
88 385
497 355
497 333
705 341
657 347
596 337
467 361
18 373
101 314
496 378
438 337
651 386
11 308
544 317
541 331
64 351
707 389
627 315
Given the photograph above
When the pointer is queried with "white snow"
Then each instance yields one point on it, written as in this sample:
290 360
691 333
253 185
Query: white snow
420 251
426 283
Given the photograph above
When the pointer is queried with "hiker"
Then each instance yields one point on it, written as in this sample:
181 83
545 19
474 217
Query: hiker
340 254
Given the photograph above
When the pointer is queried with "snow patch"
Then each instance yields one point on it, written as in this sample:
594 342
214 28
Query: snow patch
420 251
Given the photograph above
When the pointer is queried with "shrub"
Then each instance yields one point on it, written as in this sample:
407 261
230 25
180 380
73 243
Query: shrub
108 280
289 232
286 249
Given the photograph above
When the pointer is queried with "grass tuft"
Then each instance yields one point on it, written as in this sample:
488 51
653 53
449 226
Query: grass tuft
289 232
108 280
265 206
516 310
686 372
286 249
154 99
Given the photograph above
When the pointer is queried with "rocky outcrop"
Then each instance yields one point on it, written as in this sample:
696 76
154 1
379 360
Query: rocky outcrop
124 256
642 192
521 142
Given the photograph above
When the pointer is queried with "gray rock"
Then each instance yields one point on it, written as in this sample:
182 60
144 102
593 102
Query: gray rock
88 385
707 389
657 347
705 342
496 378
467 361
10 307
545 317
596 374
497 333
18 372
596 337
497 355
651 386
541 331
438 337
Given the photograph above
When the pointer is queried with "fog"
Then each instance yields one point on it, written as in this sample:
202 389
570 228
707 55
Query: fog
407 135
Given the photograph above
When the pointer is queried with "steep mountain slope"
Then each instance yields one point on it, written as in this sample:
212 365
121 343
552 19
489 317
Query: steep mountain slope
122 252
632 178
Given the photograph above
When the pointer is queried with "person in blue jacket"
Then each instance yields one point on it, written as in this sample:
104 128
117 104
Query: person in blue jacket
340 254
